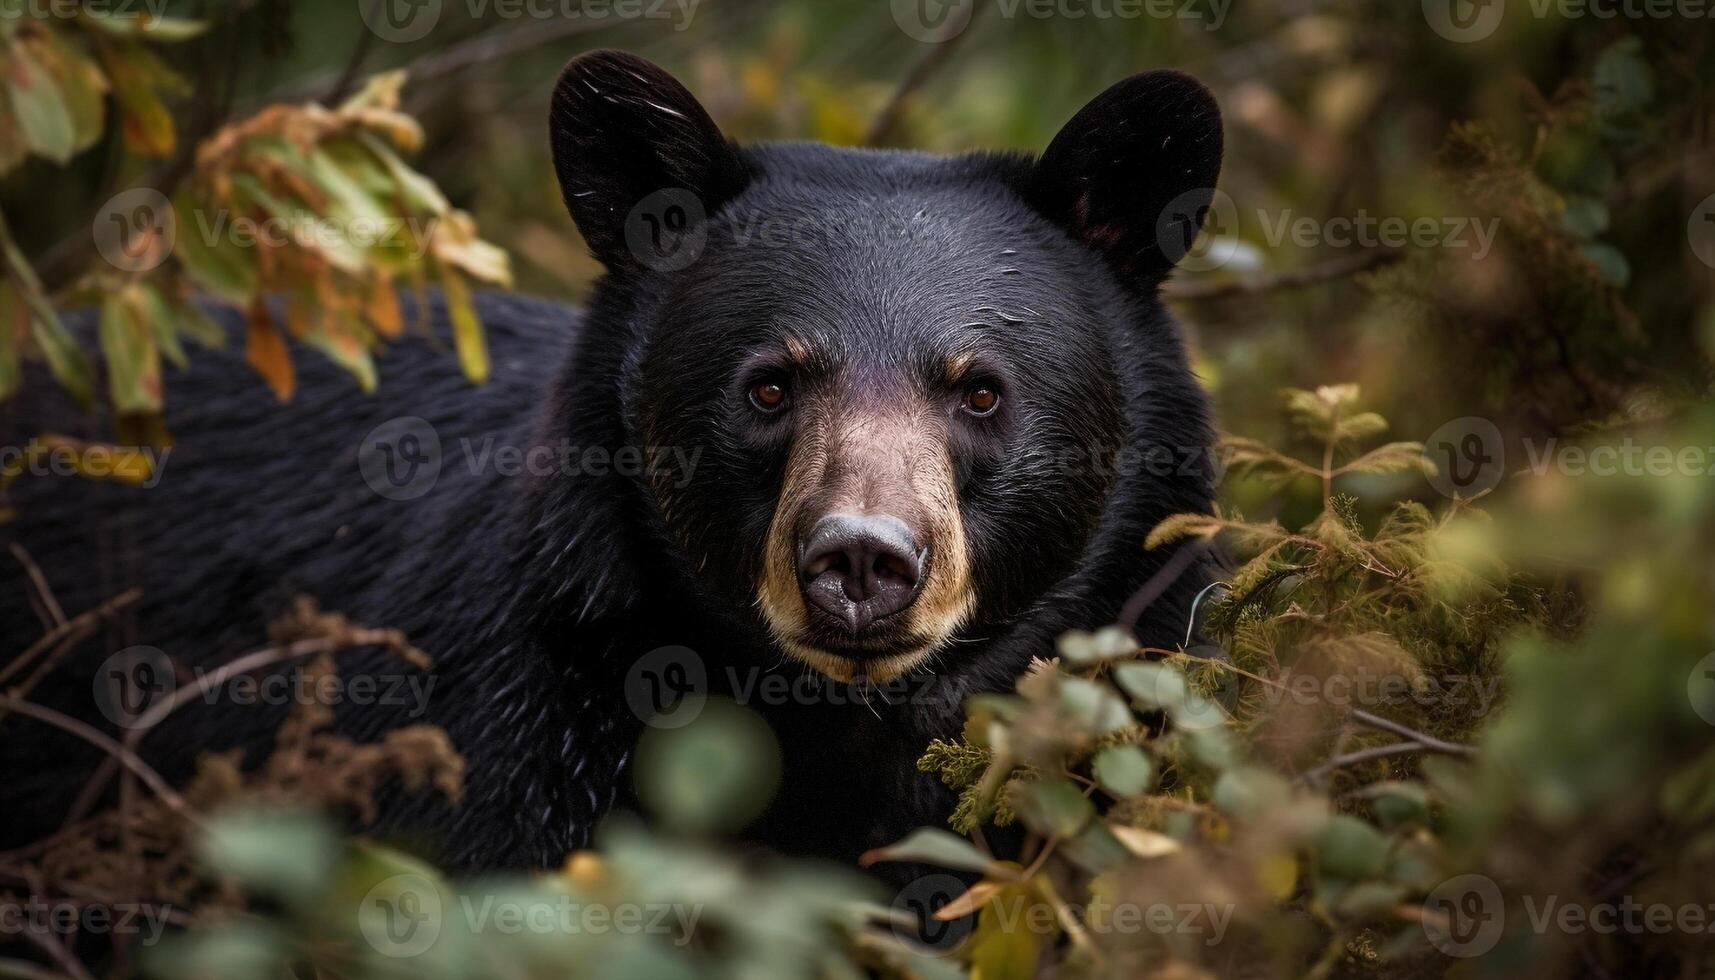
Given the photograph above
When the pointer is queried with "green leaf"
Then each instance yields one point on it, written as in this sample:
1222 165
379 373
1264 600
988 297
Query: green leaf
1053 807
286 854
1094 706
1609 261
1369 898
1249 793
1153 686
1395 802
943 849
132 355
166 30
1123 770
39 108
1623 79
153 309
714 774
209 255
1585 217
1352 849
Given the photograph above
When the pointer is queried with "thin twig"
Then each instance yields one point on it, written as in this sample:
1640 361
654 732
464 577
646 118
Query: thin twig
920 73
1362 755
82 622
57 952
256 660
126 757
1340 268
1430 742
25 970
359 54
1160 582
40 581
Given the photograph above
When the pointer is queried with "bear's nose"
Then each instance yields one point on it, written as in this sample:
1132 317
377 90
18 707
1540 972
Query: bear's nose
859 568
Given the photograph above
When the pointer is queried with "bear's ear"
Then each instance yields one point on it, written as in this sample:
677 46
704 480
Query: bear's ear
1133 173
623 131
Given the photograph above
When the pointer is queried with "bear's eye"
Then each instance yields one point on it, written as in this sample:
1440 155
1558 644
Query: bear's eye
982 401
768 396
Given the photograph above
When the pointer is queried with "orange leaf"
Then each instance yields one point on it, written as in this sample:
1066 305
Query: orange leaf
383 308
265 351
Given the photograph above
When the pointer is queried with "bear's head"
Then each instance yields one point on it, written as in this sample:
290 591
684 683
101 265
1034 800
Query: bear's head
899 373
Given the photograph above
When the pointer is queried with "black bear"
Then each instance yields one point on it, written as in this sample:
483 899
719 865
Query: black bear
876 417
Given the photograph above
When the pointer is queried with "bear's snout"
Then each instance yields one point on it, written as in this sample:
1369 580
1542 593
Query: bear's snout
855 569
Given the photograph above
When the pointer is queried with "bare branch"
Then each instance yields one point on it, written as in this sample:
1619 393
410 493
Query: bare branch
1340 268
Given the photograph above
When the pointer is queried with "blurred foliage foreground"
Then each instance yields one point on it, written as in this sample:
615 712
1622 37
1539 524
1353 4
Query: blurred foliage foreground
1471 740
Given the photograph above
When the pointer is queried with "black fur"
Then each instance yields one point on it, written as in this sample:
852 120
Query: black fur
537 594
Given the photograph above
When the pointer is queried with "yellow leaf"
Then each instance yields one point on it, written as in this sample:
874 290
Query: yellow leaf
1010 934
138 78
1144 843
1278 875
467 328
973 899
99 461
